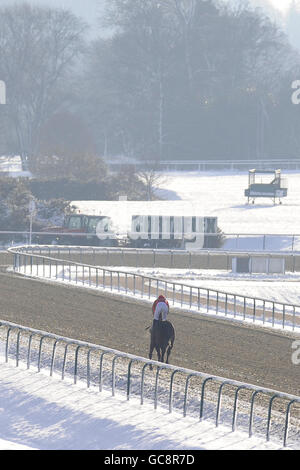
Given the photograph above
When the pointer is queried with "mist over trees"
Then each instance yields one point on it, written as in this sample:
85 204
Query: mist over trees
38 46
175 79
194 80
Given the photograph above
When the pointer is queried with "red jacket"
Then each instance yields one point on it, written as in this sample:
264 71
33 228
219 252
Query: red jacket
161 298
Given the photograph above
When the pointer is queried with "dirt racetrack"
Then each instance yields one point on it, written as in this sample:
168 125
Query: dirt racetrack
245 353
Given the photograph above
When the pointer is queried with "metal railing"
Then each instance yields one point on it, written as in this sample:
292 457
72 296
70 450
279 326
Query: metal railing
246 242
106 368
244 308
211 164
158 258
215 164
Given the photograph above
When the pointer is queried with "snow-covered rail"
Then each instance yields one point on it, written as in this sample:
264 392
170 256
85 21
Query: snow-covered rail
261 411
166 258
259 311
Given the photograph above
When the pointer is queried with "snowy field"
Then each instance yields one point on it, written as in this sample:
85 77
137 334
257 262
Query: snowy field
215 194
222 195
13 167
39 412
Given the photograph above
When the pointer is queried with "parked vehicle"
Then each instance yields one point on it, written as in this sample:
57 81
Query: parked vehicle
79 229
147 231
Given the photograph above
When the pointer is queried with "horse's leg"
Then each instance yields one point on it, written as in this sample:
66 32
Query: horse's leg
151 351
158 353
170 347
168 353
163 350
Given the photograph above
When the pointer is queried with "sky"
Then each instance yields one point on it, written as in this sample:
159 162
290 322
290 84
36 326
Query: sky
89 10
92 10
281 5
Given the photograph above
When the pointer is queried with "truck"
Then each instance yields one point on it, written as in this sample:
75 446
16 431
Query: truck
79 229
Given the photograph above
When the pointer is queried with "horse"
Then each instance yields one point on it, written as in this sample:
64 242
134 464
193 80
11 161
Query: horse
162 339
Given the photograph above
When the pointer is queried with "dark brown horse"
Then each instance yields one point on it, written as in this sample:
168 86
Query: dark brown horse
162 339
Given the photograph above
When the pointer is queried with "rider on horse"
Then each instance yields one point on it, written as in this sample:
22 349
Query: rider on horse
160 310
162 331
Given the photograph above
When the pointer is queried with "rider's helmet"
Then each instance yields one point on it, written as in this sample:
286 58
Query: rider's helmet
161 298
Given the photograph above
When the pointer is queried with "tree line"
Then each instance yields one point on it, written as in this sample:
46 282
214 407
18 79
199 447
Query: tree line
174 79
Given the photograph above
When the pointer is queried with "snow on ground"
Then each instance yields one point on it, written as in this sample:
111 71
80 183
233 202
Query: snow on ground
45 413
215 194
13 166
282 288
221 194
39 412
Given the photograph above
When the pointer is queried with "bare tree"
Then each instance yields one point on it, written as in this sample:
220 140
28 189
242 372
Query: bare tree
152 179
38 47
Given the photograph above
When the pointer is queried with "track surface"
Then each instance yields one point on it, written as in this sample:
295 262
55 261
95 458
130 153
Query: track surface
245 353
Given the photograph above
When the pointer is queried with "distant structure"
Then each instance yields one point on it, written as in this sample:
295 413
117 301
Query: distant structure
274 189
2 92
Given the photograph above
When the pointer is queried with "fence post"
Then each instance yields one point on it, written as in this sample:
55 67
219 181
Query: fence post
53 357
142 381
186 393
64 362
286 426
219 402
171 389
29 350
252 411
18 348
235 406
76 364
40 352
113 375
129 377
101 369
269 415
202 395
156 386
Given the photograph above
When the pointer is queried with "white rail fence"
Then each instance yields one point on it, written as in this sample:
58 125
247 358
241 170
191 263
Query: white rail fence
214 164
259 411
271 242
244 308
156 258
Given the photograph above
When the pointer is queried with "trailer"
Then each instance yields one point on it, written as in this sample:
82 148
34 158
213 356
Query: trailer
171 231
261 185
